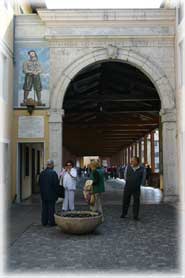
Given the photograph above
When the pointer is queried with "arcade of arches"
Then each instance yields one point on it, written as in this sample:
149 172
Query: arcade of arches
112 111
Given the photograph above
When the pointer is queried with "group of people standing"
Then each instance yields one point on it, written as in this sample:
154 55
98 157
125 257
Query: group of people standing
49 182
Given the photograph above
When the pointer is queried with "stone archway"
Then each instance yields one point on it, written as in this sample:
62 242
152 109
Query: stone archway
162 85
150 68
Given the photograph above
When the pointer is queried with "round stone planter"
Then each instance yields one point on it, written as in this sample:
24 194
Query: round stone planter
81 222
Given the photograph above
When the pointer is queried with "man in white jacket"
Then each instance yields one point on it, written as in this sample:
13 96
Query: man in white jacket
69 183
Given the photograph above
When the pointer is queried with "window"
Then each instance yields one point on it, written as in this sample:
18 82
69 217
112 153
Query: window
156 159
156 135
156 143
3 77
157 167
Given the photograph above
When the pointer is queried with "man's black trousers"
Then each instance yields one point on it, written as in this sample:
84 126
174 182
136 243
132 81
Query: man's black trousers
48 210
128 193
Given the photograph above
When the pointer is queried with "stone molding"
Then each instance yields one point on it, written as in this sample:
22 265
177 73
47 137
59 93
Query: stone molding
104 31
168 115
74 42
143 63
53 16
53 24
55 115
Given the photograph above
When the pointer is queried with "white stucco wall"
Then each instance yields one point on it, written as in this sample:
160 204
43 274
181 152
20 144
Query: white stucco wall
6 89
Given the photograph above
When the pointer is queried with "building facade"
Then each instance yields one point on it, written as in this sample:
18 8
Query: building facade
67 41
8 11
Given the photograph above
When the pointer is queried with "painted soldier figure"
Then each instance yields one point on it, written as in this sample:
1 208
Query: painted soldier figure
32 70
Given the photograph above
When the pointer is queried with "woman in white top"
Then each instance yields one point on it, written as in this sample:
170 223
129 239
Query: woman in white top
69 183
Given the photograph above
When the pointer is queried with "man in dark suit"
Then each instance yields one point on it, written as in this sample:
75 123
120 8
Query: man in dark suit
49 184
135 176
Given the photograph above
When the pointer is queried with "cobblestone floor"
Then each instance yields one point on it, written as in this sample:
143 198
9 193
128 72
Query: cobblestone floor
118 245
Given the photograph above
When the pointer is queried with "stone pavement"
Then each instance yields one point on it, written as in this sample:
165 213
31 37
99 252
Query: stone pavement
119 245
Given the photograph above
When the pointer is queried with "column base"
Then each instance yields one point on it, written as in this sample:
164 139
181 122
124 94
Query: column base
171 199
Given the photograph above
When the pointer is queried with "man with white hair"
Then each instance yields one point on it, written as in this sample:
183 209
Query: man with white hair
49 183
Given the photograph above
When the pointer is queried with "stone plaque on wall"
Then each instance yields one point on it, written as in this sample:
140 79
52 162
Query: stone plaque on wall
31 127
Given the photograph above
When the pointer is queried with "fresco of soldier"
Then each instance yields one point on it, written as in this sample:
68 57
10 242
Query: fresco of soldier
32 70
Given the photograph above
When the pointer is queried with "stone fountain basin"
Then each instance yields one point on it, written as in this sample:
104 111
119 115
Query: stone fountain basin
76 224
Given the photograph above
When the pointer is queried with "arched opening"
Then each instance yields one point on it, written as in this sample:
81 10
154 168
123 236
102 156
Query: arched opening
112 111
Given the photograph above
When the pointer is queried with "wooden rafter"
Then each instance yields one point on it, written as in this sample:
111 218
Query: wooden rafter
108 106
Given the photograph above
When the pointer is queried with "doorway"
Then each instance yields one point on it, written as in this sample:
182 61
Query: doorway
30 164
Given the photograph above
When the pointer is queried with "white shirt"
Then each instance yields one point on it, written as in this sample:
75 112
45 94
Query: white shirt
69 182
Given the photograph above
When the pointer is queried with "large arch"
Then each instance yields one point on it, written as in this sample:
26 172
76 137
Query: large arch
162 85
143 63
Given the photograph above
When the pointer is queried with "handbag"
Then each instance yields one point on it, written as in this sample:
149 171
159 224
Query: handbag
88 185
61 189
88 192
92 199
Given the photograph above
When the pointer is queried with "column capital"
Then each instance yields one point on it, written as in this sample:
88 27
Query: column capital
55 115
168 115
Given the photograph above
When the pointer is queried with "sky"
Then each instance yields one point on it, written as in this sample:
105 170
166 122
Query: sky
101 4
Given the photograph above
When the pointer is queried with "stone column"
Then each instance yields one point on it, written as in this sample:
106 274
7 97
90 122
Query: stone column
140 151
152 151
168 120
55 137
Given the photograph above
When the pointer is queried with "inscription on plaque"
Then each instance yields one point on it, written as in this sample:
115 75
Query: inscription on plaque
31 127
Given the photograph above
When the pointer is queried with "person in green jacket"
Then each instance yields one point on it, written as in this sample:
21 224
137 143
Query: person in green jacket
97 175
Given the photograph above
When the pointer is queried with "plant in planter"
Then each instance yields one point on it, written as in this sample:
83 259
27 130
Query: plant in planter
78 222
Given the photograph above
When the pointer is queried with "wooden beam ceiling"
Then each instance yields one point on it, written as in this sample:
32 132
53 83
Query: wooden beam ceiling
108 106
